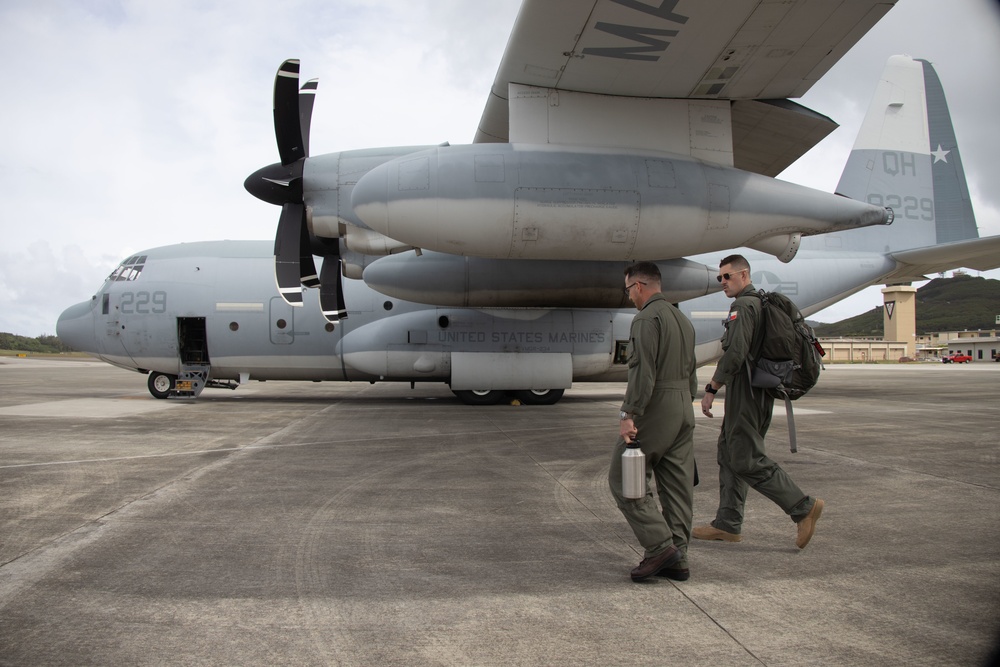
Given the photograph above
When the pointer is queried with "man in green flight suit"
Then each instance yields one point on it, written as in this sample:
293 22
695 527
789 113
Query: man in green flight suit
662 384
741 457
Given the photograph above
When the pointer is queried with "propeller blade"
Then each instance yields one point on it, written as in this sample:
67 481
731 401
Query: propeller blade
287 125
287 256
307 267
307 97
331 290
282 184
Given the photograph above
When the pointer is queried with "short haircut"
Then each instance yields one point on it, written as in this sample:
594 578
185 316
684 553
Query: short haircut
647 270
738 262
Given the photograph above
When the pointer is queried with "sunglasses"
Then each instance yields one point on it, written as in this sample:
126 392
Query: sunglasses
729 276
628 288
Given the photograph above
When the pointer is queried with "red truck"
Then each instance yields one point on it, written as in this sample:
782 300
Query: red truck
956 359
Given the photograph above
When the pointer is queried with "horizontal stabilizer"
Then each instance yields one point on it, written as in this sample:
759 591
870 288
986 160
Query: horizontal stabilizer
978 254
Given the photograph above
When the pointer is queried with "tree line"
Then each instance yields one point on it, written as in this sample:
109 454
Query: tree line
41 344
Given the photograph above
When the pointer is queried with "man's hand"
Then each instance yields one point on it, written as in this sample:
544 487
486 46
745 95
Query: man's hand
706 404
627 429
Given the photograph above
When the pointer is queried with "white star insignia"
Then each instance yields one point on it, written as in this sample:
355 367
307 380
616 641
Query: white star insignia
940 155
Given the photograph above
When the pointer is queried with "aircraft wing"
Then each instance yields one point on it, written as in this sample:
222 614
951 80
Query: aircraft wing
753 52
978 254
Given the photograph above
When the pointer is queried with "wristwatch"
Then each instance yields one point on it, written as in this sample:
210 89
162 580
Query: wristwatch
708 388
624 415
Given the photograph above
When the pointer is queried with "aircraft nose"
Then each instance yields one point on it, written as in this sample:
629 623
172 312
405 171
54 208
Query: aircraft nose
75 327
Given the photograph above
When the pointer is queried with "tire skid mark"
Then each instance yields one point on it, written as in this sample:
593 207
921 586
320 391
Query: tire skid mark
331 624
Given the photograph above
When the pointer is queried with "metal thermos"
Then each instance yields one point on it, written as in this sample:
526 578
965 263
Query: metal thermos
633 471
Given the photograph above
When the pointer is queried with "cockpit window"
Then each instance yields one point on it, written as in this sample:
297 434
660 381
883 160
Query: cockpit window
129 269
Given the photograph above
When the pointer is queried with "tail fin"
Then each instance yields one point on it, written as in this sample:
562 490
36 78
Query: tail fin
906 157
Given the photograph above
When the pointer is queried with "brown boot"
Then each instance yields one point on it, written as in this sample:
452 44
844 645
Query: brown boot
650 566
807 526
710 532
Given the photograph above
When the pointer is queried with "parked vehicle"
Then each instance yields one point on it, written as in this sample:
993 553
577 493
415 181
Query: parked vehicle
956 359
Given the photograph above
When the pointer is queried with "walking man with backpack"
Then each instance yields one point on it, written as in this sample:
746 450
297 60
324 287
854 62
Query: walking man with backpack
741 457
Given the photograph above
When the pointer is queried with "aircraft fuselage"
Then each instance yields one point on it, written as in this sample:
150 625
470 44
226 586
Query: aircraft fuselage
214 306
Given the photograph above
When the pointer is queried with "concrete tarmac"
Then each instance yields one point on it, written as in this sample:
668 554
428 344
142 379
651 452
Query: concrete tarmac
354 524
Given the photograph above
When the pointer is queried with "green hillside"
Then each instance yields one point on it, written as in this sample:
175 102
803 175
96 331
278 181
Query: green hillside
944 304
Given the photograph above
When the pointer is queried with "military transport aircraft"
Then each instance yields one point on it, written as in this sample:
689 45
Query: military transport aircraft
615 131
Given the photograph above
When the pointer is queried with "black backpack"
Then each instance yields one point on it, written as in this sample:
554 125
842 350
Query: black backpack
786 358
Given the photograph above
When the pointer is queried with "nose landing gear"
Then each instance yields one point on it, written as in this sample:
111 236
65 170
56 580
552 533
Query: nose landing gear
160 384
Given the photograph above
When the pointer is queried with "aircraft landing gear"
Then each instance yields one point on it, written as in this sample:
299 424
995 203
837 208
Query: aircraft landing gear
527 397
479 397
160 384
539 396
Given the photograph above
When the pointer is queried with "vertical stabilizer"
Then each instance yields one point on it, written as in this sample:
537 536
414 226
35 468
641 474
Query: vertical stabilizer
906 157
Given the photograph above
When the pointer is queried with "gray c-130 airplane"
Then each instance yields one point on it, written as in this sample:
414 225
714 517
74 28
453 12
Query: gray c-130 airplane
497 267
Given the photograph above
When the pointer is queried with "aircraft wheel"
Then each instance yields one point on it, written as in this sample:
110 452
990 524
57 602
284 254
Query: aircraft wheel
539 396
479 397
160 384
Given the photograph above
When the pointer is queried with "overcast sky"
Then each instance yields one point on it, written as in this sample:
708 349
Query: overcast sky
129 124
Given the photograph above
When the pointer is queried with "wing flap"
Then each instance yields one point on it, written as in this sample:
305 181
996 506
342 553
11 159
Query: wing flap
769 135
